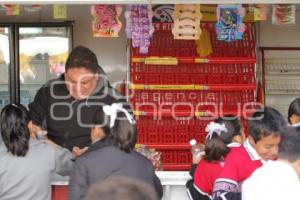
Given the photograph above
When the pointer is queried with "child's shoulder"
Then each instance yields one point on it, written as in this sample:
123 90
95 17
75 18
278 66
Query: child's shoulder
236 152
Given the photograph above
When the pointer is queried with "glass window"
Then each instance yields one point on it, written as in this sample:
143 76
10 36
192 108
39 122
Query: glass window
4 66
43 53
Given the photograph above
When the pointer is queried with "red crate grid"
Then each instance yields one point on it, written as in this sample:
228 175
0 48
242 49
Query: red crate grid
194 74
175 157
205 68
163 43
155 100
170 135
171 132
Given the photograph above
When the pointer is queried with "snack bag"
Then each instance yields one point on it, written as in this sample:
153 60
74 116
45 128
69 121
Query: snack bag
106 21
230 26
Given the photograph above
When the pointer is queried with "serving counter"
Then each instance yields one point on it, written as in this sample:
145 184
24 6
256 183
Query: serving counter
173 183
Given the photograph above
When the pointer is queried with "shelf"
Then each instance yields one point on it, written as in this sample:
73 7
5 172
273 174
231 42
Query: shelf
156 60
283 92
283 73
176 167
168 146
186 113
212 87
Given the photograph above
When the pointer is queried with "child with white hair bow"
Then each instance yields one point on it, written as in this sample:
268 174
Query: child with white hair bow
116 124
221 135
113 136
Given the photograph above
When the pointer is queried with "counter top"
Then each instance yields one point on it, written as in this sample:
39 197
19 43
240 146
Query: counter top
166 178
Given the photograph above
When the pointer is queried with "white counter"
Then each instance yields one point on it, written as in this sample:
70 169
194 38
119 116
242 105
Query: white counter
173 183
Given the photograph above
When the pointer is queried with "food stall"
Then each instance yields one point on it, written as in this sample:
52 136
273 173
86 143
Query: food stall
177 80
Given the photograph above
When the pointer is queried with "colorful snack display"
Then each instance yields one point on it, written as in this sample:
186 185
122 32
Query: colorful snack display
283 14
139 26
187 22
230 26
106 21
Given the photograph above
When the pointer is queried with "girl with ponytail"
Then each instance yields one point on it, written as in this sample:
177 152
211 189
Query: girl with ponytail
27 165
14 129
222 134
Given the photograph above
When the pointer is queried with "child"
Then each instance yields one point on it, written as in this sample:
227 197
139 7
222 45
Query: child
278 179
111 155
294 112
26 164
265 129
222 134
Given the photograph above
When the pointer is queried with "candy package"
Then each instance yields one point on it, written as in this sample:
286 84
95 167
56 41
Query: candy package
139 26
283 14
106 21
186 22
230 26
153 155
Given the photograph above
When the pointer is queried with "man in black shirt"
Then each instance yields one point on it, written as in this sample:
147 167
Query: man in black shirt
65 106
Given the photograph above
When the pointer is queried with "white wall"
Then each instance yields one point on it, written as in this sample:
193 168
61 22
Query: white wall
280 36
111 52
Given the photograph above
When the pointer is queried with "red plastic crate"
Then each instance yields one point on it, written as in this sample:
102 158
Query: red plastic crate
174 157
154 100
169 130
171 136
164 44
193 74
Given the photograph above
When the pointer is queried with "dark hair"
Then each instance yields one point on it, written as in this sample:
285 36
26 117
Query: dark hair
294 109
123 134
289 147
216 147
125 188
100 119
233 126
82 57
265 122
14 129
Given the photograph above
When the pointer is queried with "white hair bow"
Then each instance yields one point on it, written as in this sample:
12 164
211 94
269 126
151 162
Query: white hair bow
214 127
112 111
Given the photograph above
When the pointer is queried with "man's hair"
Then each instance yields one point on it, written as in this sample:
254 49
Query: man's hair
121 188
294 108
289 147
14 129
82 57
265 122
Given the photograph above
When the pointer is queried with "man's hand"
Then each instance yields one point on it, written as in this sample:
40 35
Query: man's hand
76 151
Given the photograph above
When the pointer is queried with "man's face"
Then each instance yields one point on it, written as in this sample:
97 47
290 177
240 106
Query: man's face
266 147
81 82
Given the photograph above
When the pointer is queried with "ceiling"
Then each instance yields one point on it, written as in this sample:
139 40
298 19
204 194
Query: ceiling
149 1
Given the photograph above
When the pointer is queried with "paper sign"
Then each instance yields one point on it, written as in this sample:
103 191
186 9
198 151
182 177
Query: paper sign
260 12
230 26
106 21
12 9
59 11
284 14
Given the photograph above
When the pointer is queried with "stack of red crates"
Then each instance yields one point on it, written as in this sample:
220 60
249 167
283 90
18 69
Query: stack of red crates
168 119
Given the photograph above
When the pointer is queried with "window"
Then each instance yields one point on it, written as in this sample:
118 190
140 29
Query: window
39 52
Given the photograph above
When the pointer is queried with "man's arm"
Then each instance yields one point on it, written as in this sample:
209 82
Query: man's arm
38 109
